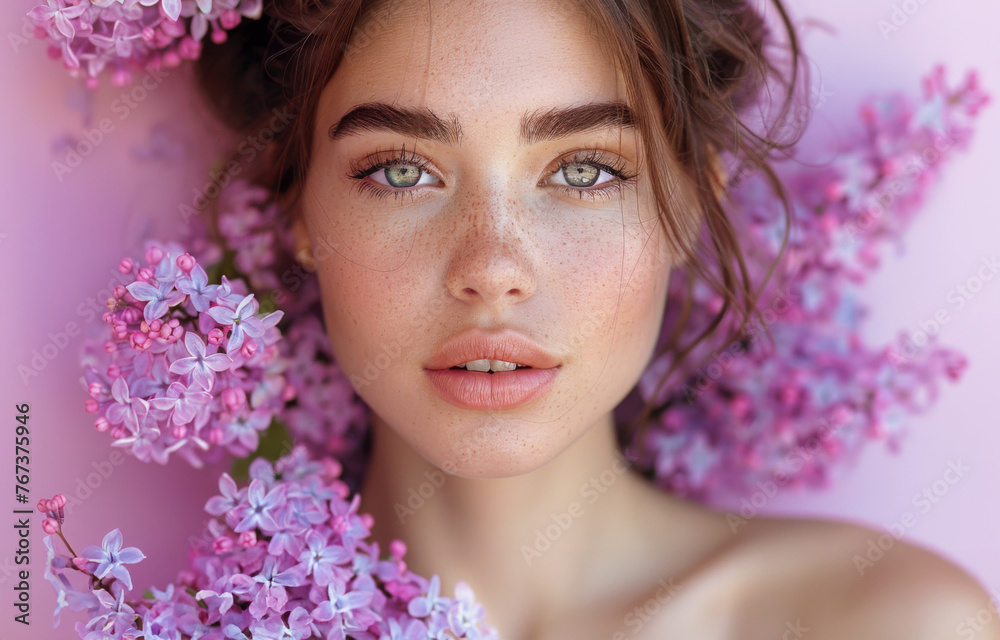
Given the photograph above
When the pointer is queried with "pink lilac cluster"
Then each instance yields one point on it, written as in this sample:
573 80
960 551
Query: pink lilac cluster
285 557
122 36
191 367
779 414
252 236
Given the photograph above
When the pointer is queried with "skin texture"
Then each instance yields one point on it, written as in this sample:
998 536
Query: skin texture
490 239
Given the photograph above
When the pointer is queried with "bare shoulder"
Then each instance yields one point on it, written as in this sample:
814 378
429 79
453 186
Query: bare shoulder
840 579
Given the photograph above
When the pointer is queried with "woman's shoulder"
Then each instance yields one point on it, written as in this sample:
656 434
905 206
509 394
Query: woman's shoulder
844 579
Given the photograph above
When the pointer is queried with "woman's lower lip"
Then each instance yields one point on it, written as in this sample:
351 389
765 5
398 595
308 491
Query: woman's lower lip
491 391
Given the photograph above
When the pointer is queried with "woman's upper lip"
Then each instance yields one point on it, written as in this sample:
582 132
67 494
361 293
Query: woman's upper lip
476 344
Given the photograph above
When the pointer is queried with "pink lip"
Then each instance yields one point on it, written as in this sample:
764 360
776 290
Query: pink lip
491 391
476 344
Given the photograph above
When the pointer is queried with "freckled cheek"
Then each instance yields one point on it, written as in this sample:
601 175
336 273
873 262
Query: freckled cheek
368 314
621 287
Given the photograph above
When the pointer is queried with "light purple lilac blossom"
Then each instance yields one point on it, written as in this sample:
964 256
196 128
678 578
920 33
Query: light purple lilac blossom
168 380
124 36
328 580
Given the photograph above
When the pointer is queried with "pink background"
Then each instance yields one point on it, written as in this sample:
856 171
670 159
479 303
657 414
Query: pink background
58 241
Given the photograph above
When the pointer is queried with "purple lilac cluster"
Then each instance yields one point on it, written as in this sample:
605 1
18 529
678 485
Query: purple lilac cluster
284 558
251 235
190 367
787 411
121 36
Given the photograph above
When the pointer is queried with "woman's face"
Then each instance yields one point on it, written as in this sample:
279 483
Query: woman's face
473 199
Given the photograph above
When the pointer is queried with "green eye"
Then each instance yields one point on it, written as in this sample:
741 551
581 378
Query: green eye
402 175
578 174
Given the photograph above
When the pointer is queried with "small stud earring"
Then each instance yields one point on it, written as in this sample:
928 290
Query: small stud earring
306 259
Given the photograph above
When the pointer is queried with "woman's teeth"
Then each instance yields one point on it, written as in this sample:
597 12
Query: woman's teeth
490 365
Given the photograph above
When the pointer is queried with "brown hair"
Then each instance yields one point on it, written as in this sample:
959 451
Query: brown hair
692 70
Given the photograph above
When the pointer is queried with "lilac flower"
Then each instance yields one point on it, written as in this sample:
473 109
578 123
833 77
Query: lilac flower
271 627
124 34
202 366
269 592
156 380
185 402
219 505
180 380
59 15
111 558
120 39
117 614
245 429
172 8
158 299
196 285
127 410
242 591
215 601
58 581
242 321
256 512
415 630
339 606
431 603
465 613
321 558
146 445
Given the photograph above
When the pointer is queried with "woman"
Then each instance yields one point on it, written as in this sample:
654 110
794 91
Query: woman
506 184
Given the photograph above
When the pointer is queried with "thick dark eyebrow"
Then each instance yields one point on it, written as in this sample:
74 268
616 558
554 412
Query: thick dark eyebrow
417 122
561 122
537 126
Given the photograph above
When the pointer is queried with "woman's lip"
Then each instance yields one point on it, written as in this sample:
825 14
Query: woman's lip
491 391
477 344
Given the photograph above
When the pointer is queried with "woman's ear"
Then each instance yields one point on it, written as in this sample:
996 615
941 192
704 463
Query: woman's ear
303 244
719 178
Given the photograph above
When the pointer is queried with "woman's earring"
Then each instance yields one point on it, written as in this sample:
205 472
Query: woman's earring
305 257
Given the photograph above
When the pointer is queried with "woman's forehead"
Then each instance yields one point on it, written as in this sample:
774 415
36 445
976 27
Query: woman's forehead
478 60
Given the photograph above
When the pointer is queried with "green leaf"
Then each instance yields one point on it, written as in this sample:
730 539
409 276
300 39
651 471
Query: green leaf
275 442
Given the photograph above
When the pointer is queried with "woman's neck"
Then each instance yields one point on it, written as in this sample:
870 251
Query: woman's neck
531 546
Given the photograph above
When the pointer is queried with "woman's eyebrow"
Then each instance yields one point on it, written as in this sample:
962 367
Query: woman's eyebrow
421 122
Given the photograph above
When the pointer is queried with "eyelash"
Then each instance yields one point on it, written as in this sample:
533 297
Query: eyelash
615 166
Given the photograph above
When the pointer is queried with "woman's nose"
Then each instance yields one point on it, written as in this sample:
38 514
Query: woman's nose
492 249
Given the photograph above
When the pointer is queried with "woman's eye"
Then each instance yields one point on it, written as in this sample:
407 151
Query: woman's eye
402 176
581 175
